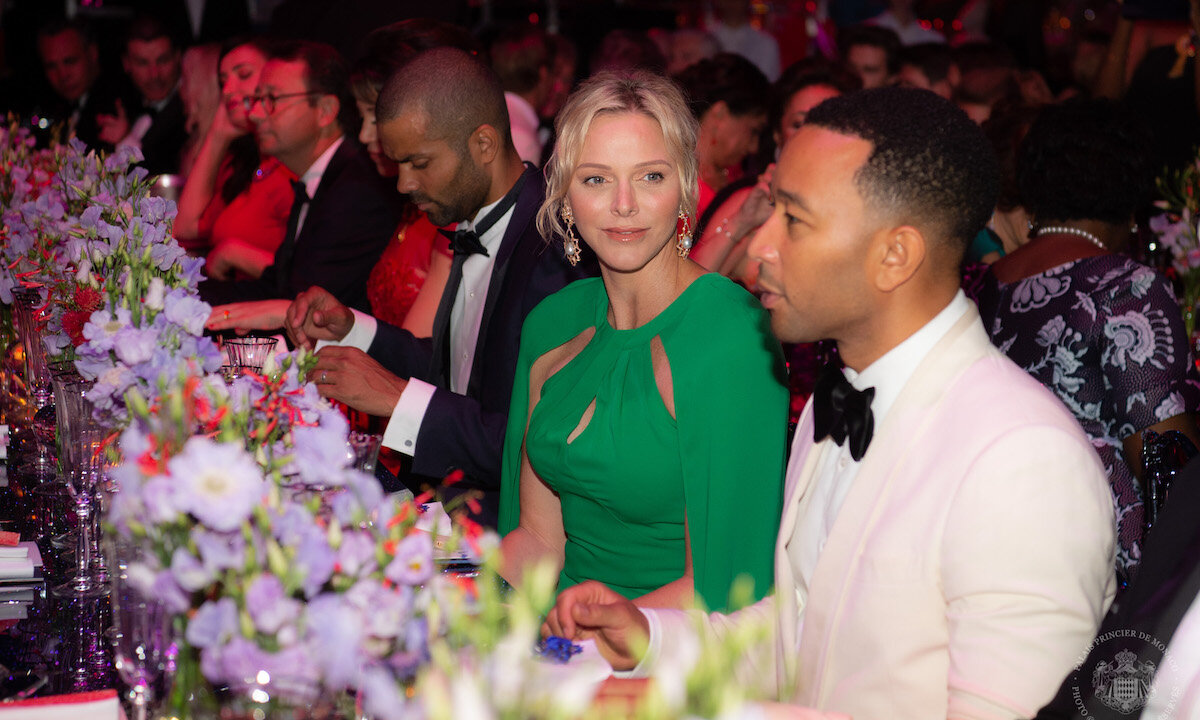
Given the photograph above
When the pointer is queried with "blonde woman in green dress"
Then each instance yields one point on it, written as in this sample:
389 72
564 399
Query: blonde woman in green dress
646 438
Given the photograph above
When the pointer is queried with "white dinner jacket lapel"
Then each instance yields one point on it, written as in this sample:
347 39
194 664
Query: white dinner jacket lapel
867 499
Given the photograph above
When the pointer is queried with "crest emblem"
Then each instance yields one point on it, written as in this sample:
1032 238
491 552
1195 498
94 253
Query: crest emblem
1123 684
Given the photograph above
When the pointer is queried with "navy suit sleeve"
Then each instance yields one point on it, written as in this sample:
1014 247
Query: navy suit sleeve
401 353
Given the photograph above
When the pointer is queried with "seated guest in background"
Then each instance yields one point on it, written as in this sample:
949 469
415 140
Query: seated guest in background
649 402
730 25
729 97
725 229
988 77
200 91
688 46
624 50
235 204
442 119
157 124
71 61
929 66
945 549
901 19
1101 331
1157 620
872 53
521 58
343 212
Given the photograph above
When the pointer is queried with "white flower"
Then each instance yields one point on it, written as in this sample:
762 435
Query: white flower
155 294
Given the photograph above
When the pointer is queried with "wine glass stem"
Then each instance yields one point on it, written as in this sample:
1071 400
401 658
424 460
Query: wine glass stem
83 510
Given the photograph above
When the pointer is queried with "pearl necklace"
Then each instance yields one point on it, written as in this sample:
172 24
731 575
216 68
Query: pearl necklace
1062 229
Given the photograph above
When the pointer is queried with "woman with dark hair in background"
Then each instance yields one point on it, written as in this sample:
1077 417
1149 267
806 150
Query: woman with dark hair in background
234 205
1100 330
729 97
725 229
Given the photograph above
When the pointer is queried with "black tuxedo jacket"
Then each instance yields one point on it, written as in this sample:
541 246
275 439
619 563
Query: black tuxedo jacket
350 219
466 432
1166 584
163 142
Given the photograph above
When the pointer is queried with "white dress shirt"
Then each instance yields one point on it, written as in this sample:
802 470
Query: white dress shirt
833 480
466 316
312 178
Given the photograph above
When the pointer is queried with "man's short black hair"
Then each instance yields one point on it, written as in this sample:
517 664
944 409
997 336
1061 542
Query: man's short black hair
727 78
933 59
147 28
454 89
59 25
872 36
1085 160
326 74
930 166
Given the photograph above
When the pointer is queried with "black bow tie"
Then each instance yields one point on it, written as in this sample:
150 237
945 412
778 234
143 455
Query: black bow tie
464 242
840 411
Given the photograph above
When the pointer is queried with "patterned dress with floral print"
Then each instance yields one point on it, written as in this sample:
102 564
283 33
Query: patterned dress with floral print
1106 335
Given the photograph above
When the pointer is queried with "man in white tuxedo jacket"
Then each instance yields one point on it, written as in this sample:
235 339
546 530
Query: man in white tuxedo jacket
948 554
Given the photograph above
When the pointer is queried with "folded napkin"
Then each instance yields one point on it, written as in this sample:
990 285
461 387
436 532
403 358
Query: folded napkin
96 705
9 539
13 552
16 568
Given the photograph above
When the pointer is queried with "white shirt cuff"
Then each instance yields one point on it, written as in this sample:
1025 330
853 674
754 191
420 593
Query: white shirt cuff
402 429
645 668
361 334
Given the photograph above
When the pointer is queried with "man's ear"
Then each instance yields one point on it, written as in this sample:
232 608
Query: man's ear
328 108
897 255
484 144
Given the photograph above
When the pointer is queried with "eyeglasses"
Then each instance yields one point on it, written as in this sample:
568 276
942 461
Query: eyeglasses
270 102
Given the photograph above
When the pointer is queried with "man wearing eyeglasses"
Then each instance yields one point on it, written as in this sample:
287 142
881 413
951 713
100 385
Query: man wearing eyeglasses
344 212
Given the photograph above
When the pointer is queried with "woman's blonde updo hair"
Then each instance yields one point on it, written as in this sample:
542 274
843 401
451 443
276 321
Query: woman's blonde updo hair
609 92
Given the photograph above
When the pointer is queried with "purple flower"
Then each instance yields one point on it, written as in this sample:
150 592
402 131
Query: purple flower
189 572
382 697
219 483
336 631
220 551
241 660
173 598
160 500
413 562
293 674
214 623
102 328
315 561
320 452
186 309
135 345
269 607
356 554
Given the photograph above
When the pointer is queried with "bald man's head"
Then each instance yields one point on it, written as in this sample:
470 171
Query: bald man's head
453 89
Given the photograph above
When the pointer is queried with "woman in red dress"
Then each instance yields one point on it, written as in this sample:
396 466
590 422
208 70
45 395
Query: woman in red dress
234 205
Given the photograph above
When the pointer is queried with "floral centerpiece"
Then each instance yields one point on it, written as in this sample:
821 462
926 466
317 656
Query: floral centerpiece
318 593
1178 228
120 292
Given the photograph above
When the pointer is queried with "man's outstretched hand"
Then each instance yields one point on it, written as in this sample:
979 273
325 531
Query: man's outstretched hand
351 376
592 611
315 315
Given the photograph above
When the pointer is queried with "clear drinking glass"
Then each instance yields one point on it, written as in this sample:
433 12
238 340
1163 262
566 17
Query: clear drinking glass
142 637
248 354
82 448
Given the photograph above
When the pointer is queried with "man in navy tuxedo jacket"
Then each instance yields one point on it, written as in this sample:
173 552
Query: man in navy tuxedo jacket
443 118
